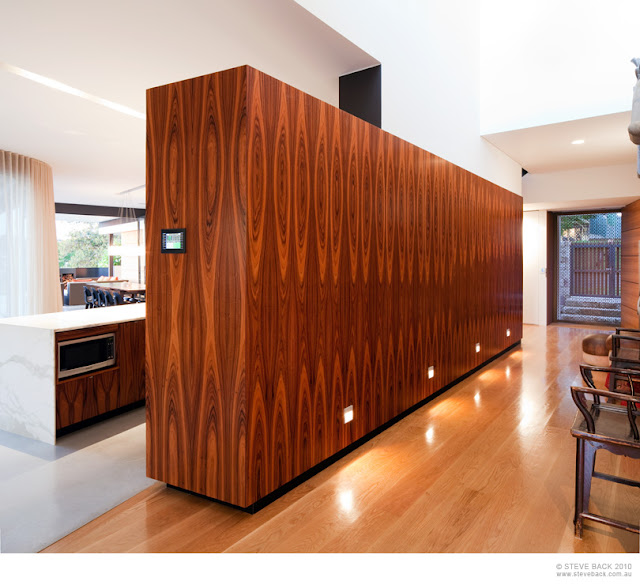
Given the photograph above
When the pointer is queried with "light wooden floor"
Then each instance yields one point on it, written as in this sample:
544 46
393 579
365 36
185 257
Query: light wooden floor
487 467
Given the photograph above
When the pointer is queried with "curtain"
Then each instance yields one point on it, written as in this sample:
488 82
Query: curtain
29 275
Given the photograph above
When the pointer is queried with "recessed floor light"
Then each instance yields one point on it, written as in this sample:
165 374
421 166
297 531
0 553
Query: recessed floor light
345 498
579 141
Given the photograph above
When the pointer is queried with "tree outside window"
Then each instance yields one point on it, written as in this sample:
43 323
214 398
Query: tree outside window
80 245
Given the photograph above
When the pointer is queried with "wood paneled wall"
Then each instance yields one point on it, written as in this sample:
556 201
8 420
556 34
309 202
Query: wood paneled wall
197 302
329 264
630 264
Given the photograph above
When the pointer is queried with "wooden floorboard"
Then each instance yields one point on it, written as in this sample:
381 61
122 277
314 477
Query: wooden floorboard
486 467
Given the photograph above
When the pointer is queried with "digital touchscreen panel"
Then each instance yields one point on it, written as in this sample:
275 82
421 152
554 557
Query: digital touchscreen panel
174 241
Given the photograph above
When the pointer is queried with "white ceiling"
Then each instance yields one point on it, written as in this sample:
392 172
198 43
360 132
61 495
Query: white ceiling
117 50
548 148
580 204
547 61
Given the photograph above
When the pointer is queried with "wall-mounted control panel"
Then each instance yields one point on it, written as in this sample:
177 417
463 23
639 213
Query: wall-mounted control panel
174 241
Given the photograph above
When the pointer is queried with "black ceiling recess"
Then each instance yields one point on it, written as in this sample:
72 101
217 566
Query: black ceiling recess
361 94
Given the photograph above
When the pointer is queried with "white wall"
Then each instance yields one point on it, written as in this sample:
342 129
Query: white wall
534 252
549 61
430 75
606 186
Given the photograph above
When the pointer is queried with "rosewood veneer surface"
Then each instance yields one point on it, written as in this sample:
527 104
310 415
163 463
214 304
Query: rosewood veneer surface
89 395
328 264
630 265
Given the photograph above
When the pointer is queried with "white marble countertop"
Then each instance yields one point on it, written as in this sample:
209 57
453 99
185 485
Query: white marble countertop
79 319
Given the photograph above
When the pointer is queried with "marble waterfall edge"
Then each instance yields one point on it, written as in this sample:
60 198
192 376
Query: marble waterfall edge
27 382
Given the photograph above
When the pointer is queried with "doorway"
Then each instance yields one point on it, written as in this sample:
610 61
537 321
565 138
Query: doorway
589 263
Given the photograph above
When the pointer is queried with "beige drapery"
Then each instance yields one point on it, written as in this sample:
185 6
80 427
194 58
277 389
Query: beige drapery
29 275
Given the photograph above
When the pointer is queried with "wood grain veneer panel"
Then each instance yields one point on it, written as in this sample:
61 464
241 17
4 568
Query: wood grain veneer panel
630 317
85 397
71 398
630 269
629 293
630 259
369 260
86 332
329 264
196 316
131 361
631 216
630 242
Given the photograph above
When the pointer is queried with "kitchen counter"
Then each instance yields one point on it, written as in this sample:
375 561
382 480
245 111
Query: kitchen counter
80 318
28 364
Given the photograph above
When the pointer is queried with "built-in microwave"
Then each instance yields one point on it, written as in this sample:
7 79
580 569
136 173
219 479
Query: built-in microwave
79 356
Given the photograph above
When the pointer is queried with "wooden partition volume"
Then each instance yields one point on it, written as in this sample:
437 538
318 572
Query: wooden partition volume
328 264
630 275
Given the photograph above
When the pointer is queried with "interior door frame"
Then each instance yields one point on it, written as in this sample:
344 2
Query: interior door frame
552 256
552 266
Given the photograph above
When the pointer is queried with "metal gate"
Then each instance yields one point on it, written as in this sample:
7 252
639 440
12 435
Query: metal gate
595 269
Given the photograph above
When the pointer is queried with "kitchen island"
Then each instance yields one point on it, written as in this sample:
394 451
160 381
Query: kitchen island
34 402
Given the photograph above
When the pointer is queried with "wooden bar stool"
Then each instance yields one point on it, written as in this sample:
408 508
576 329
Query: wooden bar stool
610 425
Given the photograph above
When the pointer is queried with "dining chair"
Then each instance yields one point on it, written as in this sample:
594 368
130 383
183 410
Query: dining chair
119 299
109 300
89 301
611 425
102 300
